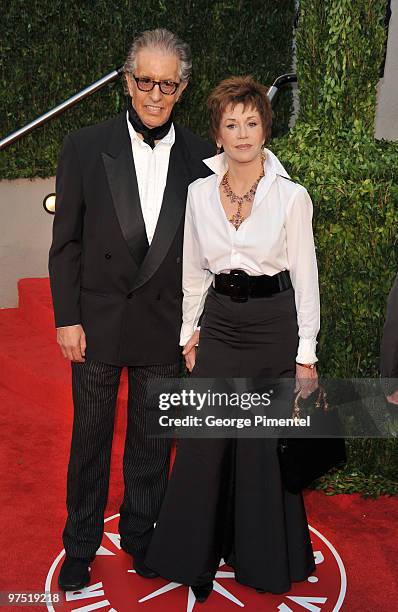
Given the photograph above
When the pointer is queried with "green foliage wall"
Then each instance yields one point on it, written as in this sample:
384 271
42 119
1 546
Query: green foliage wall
353 181
51 50
339 51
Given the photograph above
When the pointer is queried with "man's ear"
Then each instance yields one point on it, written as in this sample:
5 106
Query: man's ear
183 85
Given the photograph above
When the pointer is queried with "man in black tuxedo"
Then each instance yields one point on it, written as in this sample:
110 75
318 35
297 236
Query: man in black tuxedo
389 347
115 271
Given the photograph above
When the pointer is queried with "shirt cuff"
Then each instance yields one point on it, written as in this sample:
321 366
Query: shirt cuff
186 333
65 326
306 351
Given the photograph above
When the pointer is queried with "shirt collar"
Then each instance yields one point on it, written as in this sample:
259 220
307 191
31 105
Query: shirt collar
168 140
272 166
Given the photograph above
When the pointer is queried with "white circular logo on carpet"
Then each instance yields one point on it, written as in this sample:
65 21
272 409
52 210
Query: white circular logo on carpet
115 587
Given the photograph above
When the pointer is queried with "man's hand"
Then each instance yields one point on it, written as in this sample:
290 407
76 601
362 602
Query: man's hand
306 380
72 341
189 351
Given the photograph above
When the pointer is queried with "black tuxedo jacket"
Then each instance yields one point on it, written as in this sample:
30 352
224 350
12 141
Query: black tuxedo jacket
103 275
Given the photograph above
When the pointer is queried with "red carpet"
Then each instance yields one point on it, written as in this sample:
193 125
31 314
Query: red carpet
36 418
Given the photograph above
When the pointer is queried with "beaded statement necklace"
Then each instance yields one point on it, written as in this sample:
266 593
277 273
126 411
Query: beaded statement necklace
237 218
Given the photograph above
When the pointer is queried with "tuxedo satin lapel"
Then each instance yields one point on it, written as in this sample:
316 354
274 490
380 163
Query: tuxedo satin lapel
122 179
171 213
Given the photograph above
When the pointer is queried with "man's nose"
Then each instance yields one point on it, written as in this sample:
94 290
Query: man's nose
156 94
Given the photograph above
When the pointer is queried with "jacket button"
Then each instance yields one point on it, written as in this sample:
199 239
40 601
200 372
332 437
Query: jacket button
129 295
178 260
108 255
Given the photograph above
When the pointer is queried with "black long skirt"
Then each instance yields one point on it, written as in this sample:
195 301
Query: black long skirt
225 499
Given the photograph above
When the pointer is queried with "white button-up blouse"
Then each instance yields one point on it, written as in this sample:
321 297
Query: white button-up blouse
276 236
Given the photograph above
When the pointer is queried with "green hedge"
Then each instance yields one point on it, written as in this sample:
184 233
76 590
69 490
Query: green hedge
353 181
340 47
354 187
50 50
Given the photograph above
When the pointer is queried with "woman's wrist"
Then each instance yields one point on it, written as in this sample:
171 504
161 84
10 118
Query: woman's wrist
309 366
306 352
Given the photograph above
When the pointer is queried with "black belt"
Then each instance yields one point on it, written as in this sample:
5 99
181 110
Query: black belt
240 286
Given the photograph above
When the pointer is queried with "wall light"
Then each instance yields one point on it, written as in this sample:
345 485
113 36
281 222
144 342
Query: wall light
49 203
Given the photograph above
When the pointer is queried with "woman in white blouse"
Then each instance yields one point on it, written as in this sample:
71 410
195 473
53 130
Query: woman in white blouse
250 268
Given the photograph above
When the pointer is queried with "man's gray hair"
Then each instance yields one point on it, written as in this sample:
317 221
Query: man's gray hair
165 41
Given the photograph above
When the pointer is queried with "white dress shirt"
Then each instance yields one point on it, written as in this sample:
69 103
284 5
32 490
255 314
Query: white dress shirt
151 167
276 236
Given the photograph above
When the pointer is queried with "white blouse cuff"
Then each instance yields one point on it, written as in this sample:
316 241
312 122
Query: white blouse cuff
306 351
186 333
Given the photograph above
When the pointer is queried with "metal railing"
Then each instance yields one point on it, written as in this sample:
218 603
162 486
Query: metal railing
280 82
57 110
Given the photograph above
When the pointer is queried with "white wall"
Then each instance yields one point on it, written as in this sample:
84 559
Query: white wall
25 234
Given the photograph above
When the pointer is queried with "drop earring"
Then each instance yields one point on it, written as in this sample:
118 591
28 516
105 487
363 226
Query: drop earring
263 154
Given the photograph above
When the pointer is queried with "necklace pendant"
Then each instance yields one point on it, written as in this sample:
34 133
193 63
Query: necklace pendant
237 219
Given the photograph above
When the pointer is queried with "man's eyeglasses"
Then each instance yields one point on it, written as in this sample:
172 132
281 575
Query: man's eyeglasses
166 87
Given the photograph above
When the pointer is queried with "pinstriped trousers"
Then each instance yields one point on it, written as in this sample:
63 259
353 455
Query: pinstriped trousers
145 462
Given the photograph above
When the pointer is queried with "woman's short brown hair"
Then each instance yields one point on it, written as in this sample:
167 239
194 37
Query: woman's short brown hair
239 90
